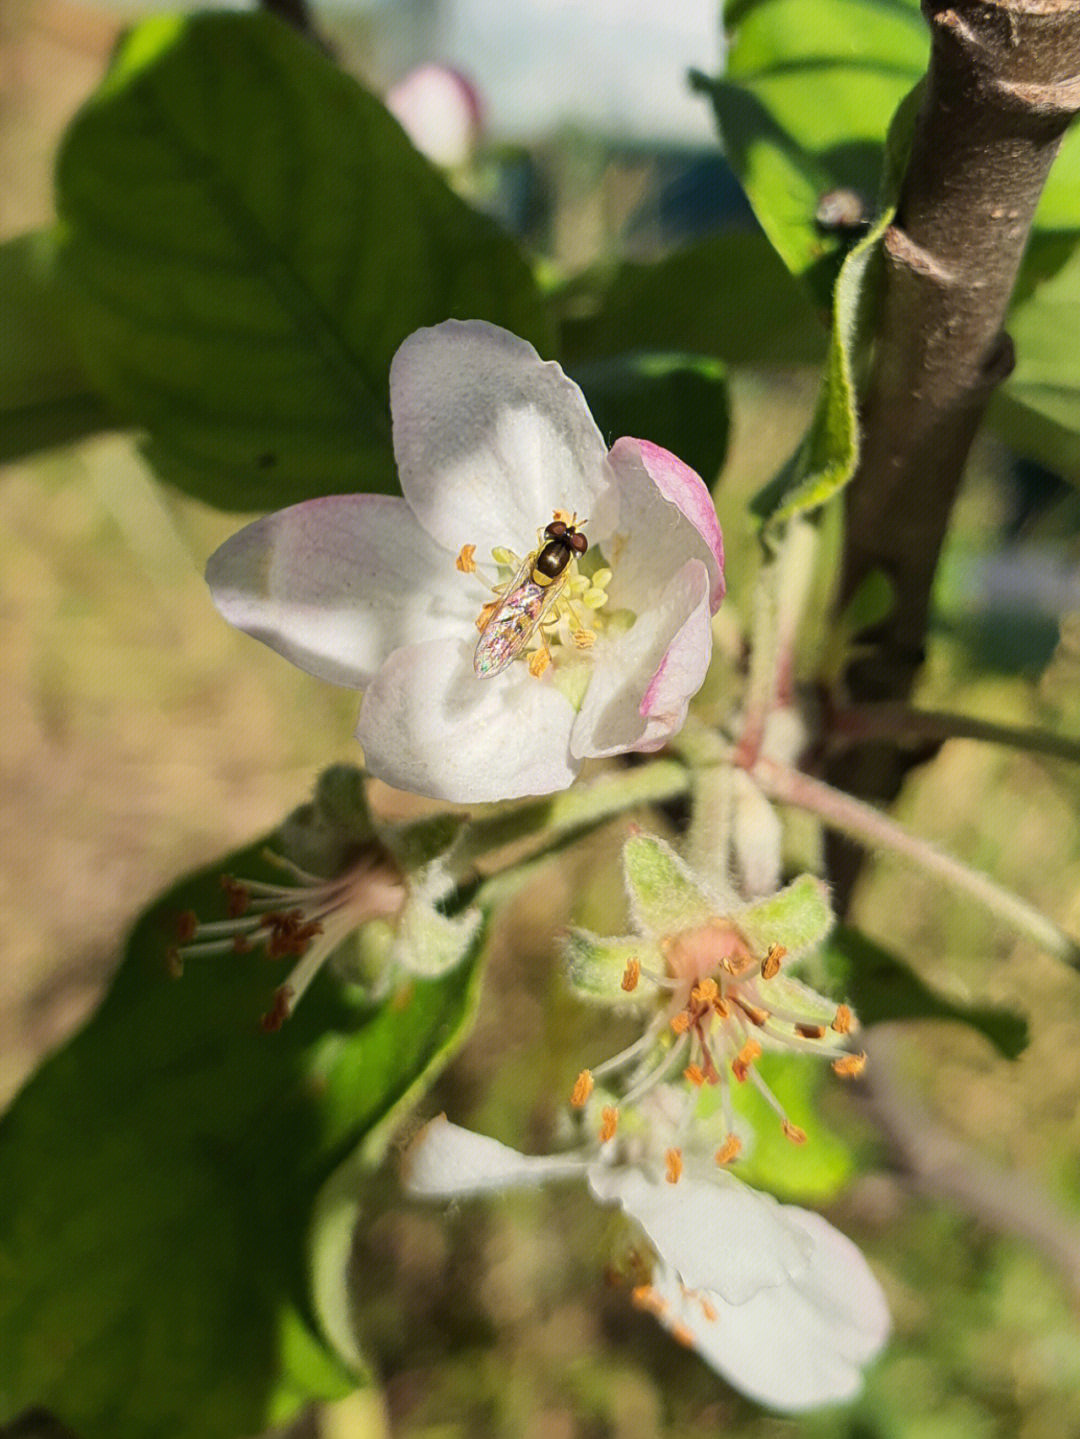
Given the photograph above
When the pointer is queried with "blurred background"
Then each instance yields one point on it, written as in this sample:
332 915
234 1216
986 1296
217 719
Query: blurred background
142 736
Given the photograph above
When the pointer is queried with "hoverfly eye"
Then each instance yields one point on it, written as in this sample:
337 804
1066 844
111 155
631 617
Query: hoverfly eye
578 542
555 530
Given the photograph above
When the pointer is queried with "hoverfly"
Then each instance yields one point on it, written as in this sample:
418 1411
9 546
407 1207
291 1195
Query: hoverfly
532 592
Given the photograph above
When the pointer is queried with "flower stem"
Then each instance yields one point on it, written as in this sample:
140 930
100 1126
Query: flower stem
573 812
869 827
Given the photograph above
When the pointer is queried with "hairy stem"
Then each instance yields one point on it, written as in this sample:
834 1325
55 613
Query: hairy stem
873 830
906 726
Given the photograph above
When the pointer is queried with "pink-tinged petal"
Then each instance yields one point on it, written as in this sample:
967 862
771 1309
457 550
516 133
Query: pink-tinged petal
439 111
665 513
716 1234
336 585
428 725
445 1161
643 680
792 1347
489 439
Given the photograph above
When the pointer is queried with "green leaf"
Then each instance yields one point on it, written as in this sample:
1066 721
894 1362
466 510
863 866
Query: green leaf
679 401
1037 411
45 396
248 236
158 1178
881 987
727 296
803 108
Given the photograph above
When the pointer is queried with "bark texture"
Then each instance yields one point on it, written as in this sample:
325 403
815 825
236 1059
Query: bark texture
1002 86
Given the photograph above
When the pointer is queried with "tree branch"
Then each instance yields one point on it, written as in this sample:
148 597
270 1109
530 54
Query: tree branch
1003 83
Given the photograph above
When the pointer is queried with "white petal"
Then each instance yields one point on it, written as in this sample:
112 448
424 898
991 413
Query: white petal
665 514
795 1347
336 584
429 725
489 438
644 679
716 1234
445 1161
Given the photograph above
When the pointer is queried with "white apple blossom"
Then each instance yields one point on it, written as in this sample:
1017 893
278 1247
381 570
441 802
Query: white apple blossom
771 1296
386 594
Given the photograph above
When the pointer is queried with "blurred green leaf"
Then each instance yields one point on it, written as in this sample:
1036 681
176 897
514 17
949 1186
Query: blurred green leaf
815 1171
248 237
676 400
881 987
727 296
803 108
45 396
161 1269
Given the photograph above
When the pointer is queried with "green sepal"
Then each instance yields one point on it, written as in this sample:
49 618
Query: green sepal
595 966
798 917
665 896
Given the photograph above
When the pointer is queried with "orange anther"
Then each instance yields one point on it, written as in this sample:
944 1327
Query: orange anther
729 1150
539 661
485 614
631 975
644 1296
609 1122
174 962
794 1133
708 1310
673 1162
843 1020
279 1011
740 1065
465 562
237 894
851 1066
694 1074
720 1008
187 926
684 1335
705 991
680 1022
810 1031
770 965
753 1013
583 1087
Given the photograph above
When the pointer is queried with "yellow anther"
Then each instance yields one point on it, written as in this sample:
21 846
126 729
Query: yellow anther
673 1163
794 1133
705 991
694 1074
609 1122
584 639
594 599
583 1087
851 1066
631 975
720 1008
843 1019
564 516
602 578
810 1031
740 1065
729 1150
680 1022
579 585
502 556
770 965
539 661
465 562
